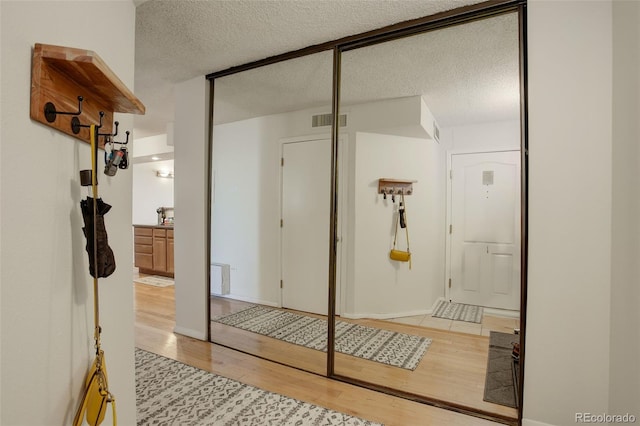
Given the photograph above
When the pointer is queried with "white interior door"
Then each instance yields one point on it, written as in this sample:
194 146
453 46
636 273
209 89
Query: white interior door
306 196
485 229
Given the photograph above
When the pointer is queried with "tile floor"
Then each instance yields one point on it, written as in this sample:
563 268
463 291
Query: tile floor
489 323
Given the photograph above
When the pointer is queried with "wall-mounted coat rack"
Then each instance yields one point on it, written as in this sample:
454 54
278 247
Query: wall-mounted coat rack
73 88
395 187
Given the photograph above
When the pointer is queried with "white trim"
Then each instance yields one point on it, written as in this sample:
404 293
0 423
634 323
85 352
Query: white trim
389 315
342 226
190 333
394 314
307 138
527 422
249 300
502 313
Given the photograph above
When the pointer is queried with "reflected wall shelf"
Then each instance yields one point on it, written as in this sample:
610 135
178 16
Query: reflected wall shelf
395 186
59 75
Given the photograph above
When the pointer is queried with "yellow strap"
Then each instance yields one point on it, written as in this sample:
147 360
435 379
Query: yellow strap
94 178
113 409
406 226
94 188
79 417
406 222
395 235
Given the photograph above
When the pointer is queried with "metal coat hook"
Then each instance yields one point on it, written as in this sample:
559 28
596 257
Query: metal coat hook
116 158
108 136
126 133
76 125
50 112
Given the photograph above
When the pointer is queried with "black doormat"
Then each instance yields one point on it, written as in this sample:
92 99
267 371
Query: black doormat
501 383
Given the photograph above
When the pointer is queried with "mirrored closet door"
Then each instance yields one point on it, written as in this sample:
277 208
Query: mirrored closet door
380 245
433 143
271 186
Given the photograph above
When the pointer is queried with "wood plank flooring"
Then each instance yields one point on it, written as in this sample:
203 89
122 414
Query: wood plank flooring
453 369
155 321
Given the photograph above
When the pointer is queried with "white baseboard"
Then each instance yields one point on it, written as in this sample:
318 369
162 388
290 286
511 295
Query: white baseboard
386 316
502 313
190 333
351 315
249 299
528 422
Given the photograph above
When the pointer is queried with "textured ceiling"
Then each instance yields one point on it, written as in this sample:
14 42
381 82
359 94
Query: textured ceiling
466 73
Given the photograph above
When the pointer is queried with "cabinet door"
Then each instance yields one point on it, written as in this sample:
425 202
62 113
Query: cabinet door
160 254
170 255
144 260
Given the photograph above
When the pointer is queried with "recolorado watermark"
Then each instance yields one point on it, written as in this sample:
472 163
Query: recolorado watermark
605 418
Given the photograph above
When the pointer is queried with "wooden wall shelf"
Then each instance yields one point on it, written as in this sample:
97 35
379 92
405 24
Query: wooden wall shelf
60 74
395 186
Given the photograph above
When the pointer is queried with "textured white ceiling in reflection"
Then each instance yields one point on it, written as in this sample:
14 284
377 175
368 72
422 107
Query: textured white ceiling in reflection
466 74
179 40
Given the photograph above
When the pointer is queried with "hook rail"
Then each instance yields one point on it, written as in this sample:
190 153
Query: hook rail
59 74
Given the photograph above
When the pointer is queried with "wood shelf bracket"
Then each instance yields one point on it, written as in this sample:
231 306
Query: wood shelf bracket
74 88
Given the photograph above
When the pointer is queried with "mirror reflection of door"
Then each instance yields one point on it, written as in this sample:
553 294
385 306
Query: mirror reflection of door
415 104
485 229
306 191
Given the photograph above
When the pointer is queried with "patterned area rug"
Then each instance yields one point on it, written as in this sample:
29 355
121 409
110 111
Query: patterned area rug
171 393
458 312
384 346
502 372
155 280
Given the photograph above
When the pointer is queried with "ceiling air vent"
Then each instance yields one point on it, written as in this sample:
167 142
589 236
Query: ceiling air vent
322 120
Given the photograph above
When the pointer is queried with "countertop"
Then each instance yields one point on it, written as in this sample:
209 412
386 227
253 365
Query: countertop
154 226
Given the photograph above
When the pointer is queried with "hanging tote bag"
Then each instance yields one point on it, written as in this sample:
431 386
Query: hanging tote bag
401 219
96 395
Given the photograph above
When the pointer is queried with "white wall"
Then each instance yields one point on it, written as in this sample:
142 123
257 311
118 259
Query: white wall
154 144
246 206
625 269
150 191
191 198
497 135
246 199
569 291
47 295
383 287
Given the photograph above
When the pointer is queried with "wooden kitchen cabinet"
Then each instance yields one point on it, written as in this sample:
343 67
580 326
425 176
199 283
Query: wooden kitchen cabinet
153 249
170 251
160 250
143 247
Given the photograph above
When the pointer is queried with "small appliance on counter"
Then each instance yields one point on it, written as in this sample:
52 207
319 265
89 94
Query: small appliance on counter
165 215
